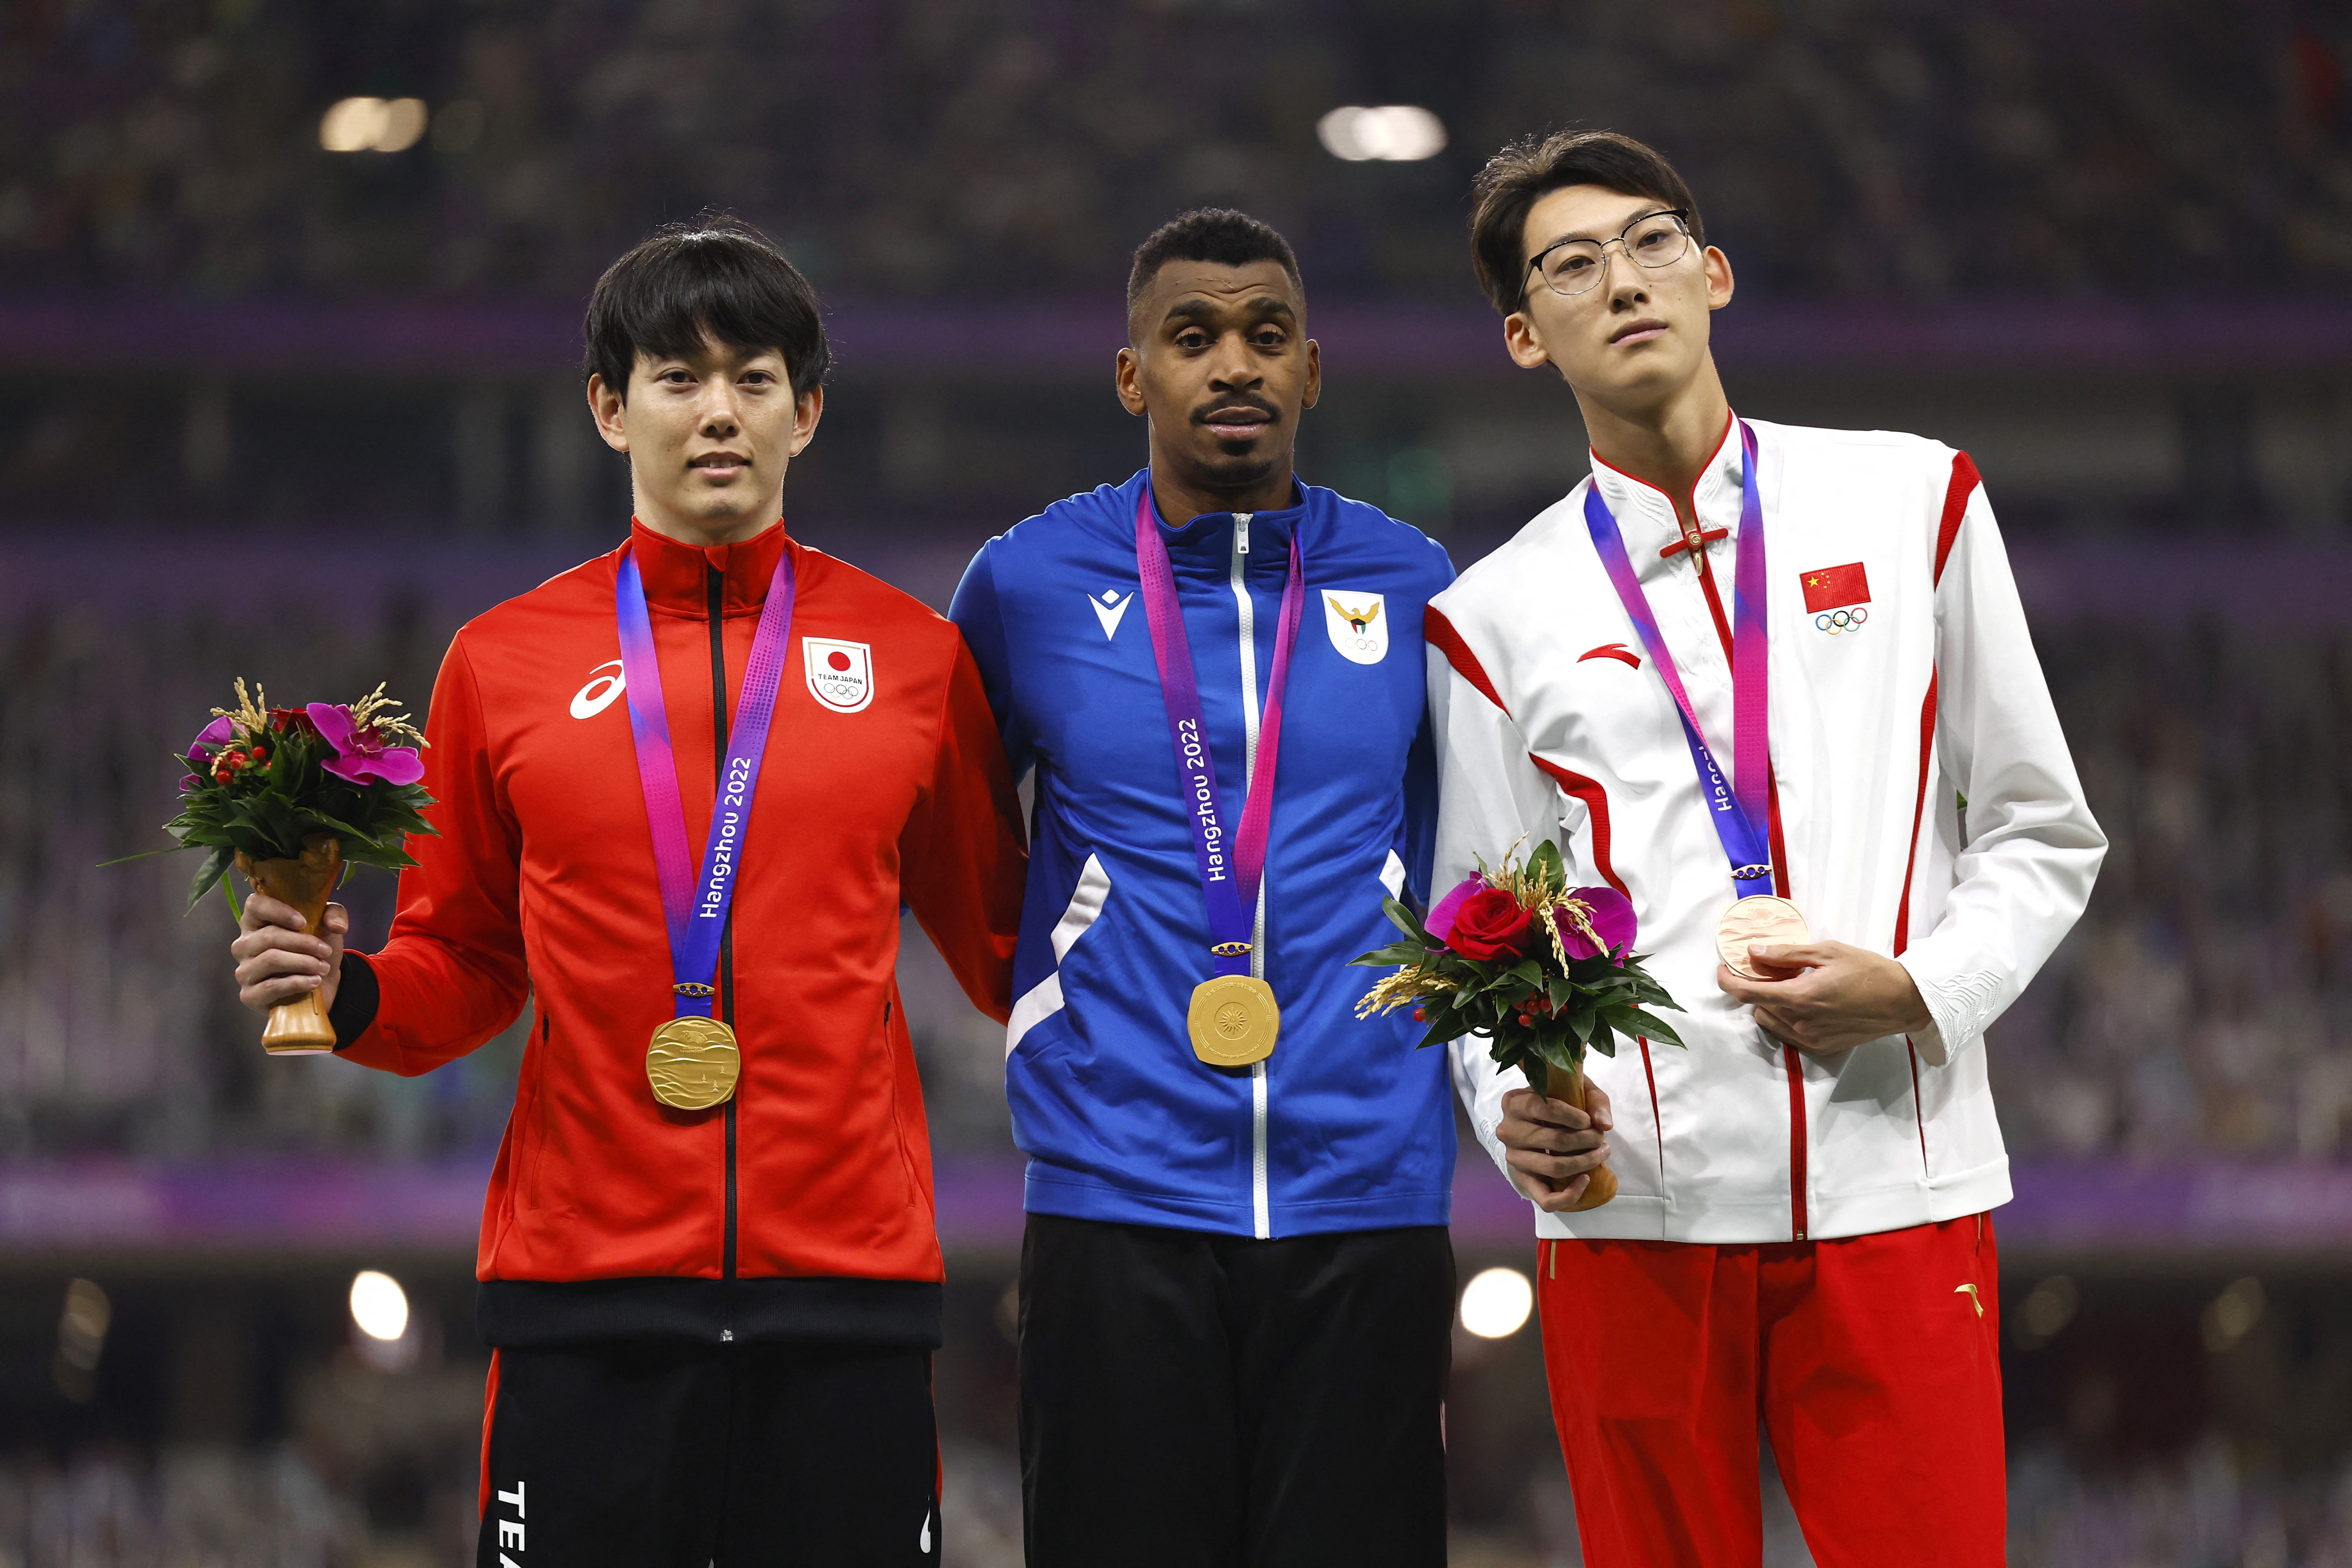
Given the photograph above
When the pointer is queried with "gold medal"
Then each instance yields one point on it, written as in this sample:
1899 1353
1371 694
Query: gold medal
692 1063
1761 919
1233 1021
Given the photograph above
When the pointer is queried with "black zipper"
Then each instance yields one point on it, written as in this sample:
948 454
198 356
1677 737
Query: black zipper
715 585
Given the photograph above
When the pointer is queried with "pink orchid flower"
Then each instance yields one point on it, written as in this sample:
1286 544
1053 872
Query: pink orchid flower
361 755
1440 924
1611 915
215 736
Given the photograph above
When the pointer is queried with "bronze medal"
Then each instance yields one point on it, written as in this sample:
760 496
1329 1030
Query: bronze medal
1233 1021
692 1063
1761 919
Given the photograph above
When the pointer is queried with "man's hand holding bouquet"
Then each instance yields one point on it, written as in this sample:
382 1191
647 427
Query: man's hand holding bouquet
291 797
1545 971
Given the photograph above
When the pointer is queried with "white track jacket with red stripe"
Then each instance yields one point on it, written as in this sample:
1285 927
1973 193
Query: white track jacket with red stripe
1902 686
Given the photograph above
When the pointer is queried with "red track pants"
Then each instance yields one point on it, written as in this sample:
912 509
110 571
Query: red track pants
1874 1370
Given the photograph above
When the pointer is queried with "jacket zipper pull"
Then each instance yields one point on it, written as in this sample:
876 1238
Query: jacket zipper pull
1240 531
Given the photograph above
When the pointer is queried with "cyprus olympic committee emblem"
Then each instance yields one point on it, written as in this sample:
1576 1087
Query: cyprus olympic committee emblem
1359 630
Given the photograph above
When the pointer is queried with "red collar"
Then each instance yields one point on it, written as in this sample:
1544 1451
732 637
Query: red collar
677 577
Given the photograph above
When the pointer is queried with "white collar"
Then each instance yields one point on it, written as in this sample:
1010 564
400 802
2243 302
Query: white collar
1646 515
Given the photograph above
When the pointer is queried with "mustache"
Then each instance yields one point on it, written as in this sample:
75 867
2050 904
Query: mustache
1236 400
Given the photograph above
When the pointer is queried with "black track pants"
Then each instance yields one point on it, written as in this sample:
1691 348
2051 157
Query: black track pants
1198 1401
651 1454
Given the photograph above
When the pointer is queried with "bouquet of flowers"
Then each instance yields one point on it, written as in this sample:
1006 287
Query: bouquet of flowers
290 797
1544 970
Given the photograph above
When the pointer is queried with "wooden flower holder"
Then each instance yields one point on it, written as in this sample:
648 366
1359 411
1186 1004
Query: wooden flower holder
1571 1087
299 1028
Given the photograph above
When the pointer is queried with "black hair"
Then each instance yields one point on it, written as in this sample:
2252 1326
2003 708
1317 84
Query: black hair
717 277
1220 235
1515 178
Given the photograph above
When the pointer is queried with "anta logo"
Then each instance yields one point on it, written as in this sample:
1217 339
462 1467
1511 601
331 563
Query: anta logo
1616 650
1109 609
840 674
1358 628
601 689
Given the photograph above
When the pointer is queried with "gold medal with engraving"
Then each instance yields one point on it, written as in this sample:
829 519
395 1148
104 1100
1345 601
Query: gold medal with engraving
692 1063
1233 1021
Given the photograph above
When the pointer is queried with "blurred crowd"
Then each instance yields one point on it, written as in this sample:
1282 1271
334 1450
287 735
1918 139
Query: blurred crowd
969 148
2202 1007
2204 1004
210 1507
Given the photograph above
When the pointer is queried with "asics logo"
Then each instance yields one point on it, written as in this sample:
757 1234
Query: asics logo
597 695
1109 609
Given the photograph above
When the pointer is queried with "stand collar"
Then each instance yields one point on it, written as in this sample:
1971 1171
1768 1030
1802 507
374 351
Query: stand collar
677 575
1646 515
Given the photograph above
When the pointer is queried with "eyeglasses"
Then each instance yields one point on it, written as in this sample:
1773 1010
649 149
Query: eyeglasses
1574 266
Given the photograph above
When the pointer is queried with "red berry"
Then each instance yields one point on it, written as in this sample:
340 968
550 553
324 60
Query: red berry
1421 1015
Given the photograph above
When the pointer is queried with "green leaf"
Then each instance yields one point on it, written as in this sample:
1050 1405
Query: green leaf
1447 1026
216 870
1400 915
142 855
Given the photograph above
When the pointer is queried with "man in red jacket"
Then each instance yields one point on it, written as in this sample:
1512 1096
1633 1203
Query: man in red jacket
708 1265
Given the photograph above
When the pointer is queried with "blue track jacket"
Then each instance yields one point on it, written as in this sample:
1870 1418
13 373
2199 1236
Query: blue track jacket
1347 1127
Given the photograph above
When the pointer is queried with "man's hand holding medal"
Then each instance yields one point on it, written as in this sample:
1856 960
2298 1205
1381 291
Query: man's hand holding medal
1823 997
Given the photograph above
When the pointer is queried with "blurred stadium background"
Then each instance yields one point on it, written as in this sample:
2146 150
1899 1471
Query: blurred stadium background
288 299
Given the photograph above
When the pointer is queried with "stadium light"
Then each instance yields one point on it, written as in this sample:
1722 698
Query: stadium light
1495 1303
81 1339
379 1305
373 125
1393 134
2232 1314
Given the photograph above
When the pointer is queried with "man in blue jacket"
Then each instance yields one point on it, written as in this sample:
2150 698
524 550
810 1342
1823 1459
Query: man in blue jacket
1236 1284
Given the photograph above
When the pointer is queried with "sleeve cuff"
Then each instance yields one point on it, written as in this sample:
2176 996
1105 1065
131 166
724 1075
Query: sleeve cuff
1950 1013
357 997
1929 1043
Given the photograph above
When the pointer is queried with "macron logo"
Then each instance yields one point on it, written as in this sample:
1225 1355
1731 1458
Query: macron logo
1110 609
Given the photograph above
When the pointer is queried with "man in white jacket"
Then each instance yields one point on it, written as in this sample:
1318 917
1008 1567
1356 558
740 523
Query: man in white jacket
1885 798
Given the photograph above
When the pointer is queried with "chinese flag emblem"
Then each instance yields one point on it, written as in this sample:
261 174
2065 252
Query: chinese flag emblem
1834 587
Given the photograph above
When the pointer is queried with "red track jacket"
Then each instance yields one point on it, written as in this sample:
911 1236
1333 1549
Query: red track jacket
801 1208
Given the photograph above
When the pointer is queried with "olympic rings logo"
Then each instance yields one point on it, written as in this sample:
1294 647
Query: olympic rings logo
1836 621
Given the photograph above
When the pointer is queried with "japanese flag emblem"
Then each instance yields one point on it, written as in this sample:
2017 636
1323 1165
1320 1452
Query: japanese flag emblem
840 674
1357 623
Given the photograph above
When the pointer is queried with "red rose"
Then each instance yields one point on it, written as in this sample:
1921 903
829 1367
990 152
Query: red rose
1491 925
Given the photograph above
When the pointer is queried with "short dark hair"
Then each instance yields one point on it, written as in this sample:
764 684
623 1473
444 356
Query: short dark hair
1519 175
1221 235
716 277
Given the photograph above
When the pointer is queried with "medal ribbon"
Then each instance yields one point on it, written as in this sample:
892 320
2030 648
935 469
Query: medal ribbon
695 912
1740 809
1230 868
